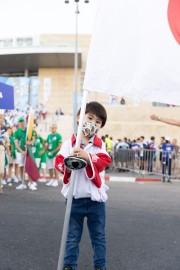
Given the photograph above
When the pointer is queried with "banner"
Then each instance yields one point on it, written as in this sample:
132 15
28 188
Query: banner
135 50
47 89
6 96
34 90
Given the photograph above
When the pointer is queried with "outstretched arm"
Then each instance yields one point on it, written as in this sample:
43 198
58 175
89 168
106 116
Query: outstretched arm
165 120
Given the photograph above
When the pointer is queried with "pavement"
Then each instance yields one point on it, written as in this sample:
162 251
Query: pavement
143 227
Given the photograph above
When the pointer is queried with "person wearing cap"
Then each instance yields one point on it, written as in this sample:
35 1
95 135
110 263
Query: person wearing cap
52 145
20 142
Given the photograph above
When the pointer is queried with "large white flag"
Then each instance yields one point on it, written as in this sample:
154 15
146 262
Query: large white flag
135 50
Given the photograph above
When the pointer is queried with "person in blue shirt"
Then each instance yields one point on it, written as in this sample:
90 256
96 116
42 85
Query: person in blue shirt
167 149
167 145
151 152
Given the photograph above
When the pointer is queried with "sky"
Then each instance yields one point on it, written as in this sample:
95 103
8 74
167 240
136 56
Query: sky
34 17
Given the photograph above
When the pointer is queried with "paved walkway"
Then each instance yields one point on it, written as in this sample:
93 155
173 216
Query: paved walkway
143 228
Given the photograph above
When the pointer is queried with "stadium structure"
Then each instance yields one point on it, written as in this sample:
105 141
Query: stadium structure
41 69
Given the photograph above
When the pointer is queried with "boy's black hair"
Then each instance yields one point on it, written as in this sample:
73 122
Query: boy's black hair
97 109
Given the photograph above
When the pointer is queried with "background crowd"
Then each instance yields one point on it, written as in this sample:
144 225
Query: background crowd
141 154
11 116
13 151
145 156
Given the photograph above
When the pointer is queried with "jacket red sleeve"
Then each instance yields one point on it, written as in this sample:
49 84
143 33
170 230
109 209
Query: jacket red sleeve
60 167
98 163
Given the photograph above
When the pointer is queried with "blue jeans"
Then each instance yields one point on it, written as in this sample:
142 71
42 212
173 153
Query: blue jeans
166 165
95 213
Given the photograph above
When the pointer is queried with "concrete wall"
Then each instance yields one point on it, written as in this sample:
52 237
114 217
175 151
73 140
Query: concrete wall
125 121
131 120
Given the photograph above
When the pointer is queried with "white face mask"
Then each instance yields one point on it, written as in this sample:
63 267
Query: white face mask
89 129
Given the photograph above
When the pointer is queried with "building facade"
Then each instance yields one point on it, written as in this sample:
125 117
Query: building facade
42 71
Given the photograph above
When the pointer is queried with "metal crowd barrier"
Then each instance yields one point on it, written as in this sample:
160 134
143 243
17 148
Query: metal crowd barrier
165 164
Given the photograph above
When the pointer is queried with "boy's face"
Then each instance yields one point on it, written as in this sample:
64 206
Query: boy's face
89 117
91 125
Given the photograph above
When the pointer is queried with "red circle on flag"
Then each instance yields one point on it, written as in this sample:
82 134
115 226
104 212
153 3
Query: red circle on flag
174 18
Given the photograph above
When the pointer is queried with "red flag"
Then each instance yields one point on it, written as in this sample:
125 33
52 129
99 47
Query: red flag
30 166
174 18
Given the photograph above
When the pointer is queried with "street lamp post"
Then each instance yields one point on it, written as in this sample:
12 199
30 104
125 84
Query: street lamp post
83 107
75 92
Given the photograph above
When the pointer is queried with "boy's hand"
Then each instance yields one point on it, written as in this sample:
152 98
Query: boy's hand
154 117
79 152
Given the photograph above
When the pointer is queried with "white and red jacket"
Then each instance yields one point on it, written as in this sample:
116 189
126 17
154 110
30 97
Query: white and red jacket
89 181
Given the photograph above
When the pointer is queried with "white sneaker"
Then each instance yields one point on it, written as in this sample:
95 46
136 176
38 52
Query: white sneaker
32 187
9 180
4 182
55 183
16 180
50 182
32 184
21 187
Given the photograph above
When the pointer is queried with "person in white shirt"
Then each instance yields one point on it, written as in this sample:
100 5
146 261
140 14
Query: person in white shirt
89 195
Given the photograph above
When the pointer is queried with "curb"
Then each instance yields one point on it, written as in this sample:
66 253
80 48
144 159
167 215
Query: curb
148 179
130 179
120 179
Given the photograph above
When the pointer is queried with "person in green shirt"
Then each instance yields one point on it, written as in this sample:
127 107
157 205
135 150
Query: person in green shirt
20 140
53 144
39 152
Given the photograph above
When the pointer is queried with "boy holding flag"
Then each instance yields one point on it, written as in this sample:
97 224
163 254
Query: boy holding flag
89 194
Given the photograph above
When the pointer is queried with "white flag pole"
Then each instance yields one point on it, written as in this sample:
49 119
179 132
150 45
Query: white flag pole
71 187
